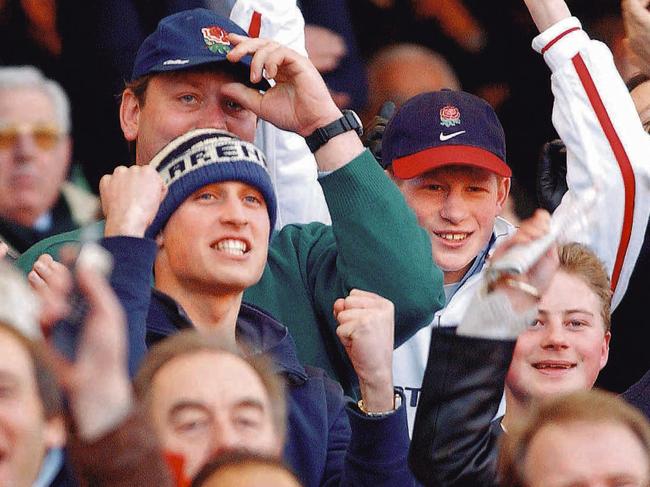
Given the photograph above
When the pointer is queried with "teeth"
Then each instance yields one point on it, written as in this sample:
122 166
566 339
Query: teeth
452 236
231 246
552 366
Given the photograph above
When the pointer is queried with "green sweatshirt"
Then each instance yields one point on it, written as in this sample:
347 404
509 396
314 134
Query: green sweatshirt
374 244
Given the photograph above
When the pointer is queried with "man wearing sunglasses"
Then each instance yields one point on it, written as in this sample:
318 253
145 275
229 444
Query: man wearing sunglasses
35 149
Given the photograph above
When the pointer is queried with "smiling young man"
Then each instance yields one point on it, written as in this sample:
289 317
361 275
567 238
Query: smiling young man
186 77
446 152
566 296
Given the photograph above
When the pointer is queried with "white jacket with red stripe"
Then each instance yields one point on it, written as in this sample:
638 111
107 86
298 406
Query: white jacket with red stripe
607 148
292 166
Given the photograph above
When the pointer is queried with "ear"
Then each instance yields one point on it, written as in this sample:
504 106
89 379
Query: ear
604 351
503 190
54 433
129 115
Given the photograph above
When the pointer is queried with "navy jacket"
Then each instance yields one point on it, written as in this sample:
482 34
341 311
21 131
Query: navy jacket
639 394
329 441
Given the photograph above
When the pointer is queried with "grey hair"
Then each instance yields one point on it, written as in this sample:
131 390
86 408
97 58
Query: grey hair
15 77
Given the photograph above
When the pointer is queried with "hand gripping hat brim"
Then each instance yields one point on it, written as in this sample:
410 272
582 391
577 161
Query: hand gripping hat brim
444 128
189 39
204 156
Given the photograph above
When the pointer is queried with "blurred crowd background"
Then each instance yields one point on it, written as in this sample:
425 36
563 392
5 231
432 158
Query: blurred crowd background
368 51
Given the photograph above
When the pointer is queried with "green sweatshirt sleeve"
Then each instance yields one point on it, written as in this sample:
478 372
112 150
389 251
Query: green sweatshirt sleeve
52 245
374 244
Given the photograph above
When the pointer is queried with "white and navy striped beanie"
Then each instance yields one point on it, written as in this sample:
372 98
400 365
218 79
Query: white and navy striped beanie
205 156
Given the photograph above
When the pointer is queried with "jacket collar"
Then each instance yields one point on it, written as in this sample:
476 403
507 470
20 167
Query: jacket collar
258 330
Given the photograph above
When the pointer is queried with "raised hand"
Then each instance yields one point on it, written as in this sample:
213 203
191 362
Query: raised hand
366 330
130 199
299 102
541 273
97 382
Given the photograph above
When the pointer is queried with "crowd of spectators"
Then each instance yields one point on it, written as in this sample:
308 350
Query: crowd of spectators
212 274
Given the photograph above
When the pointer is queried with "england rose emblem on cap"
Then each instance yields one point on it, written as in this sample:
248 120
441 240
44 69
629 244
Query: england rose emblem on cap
216 39
449 116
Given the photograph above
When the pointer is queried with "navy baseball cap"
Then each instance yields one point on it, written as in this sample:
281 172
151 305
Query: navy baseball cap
443 128
188 39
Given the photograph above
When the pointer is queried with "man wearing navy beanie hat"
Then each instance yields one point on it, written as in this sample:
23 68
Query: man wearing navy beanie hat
207 243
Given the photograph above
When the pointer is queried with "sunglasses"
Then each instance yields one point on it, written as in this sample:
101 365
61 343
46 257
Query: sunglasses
44 136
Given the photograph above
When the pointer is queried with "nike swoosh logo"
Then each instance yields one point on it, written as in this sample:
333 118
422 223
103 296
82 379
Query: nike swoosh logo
444 137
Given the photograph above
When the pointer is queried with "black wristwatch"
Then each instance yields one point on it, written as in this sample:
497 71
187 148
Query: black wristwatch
349 121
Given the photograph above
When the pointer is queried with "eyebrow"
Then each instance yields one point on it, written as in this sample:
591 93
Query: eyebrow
186 404
565 311
250 402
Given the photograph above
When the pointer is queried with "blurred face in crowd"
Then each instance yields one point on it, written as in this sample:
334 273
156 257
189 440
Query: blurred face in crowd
251 475
25 433
178 102
457 206
567 346
34 155
641 98
216 240
586 454
206 403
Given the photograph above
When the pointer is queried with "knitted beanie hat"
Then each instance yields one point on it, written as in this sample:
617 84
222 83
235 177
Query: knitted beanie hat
204 156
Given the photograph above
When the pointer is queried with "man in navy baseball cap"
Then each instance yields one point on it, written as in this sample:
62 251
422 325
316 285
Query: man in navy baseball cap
445 150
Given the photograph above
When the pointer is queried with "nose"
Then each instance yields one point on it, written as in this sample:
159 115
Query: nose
554 336
24 146
225 439
212 116
454 207
233 211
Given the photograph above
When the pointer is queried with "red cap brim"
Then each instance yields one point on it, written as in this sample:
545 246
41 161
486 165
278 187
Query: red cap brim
413 165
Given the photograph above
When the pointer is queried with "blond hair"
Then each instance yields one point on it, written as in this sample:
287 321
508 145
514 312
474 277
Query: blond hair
579 261
592 406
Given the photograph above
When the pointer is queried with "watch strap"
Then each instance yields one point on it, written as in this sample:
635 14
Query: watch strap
349 121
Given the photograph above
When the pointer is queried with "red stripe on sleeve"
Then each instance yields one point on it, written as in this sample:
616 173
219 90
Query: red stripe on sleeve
255 25
550 44
621 158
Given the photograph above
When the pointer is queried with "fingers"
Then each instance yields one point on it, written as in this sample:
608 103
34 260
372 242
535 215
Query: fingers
267 56
249 98
52 282
4 248
46 272
362 300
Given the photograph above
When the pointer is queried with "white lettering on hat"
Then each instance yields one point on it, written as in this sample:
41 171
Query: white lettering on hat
176 61
206 152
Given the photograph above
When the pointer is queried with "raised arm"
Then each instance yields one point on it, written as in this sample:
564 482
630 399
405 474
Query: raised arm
607 149
378 447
